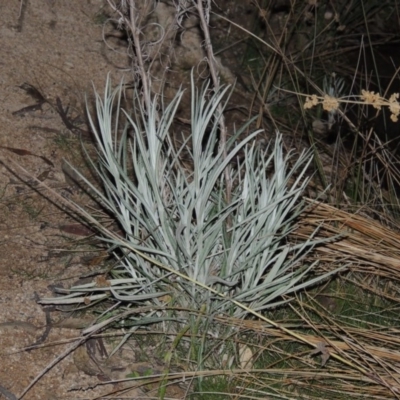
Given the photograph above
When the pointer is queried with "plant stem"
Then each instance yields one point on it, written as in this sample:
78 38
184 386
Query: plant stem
215 80
136 41
131 24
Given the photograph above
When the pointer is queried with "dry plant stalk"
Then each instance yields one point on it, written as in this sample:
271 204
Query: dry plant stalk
330 103
204 18
131 23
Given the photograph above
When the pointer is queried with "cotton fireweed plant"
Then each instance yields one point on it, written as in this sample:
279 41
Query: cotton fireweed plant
179 216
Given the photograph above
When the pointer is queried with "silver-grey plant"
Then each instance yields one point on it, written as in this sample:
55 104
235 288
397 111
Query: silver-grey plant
179 217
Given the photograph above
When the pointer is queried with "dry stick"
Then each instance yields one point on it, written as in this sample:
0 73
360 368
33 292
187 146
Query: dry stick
123 243
131 23
55 362
136 41
214 76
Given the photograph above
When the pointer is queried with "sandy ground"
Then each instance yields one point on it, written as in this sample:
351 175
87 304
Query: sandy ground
55 47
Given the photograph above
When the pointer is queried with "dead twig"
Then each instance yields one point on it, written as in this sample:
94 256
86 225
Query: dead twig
204 17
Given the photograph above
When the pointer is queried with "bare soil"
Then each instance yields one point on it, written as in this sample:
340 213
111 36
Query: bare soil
52 49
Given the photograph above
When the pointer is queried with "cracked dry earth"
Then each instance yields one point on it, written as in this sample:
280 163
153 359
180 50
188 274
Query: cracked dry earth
52 49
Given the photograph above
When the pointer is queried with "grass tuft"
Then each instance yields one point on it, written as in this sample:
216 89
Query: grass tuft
229 259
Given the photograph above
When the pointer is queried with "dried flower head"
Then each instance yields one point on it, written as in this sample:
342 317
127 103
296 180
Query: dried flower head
372 98
394 107
330 103
311 101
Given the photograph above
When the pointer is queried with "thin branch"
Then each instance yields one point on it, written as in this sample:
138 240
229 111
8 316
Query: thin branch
136 41
132 25
214 76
